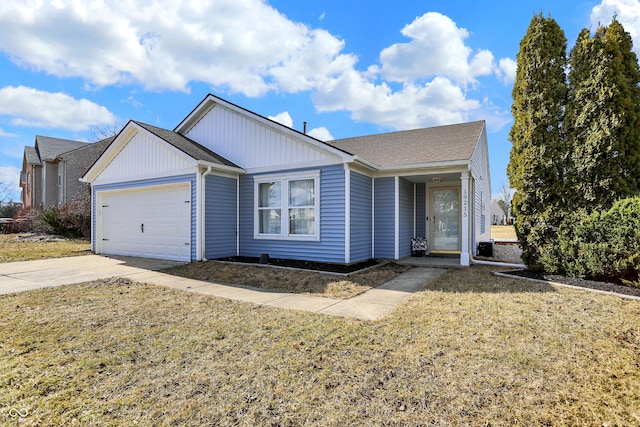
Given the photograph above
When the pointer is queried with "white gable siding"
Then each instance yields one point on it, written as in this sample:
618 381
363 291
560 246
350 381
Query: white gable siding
145 156
482 191
253 145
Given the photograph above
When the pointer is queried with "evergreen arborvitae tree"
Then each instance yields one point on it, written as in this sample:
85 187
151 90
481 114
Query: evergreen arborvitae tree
603 119
537 164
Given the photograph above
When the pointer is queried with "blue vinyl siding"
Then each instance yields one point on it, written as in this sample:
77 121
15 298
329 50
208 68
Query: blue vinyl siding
191 178
406 217
361 227
330 247
384 222
421 213
220 215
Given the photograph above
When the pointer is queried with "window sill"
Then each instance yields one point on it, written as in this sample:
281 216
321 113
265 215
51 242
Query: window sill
286 238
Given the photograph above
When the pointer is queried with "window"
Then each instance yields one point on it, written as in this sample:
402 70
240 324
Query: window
286 206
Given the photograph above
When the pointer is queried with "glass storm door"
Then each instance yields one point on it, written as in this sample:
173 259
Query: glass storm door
445 220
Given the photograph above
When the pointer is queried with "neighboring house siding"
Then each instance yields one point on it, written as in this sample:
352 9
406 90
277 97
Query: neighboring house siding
406 217
330 247
220 216
50 183
148 183
36 188
421 213
361 221
384 223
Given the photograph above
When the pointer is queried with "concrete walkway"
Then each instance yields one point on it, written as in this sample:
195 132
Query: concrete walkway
370 305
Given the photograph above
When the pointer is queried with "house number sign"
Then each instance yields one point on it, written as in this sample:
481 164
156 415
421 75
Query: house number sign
465 203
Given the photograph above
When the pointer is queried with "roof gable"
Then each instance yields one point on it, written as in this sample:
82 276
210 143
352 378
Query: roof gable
143 151
31 156
253 141
450 143
49 148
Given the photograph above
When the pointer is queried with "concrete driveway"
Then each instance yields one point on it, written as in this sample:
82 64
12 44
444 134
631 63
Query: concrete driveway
28 275
373 304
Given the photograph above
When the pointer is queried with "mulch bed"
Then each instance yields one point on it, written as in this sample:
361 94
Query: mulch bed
583 283
306 265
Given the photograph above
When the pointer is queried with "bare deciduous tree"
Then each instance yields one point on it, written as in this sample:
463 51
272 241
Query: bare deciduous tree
4 192
105 131
506 195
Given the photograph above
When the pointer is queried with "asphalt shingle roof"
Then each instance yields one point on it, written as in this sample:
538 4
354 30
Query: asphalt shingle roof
50 148
187 146
419 146
31 156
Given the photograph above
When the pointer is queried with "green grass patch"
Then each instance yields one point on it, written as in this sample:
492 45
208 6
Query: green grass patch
470 349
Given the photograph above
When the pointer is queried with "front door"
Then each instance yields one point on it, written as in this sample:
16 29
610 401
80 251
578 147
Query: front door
445 220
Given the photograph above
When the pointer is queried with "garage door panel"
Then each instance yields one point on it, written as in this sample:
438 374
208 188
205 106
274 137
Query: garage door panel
153 222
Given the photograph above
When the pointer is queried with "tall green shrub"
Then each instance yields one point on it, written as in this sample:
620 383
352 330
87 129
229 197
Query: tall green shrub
603 245
603 119
537 162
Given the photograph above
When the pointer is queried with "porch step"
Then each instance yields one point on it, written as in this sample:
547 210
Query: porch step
432 261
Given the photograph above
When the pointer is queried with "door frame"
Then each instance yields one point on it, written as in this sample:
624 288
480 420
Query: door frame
431 218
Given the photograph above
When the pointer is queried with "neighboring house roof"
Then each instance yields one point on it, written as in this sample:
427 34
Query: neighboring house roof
50 148
31 156
413 147
91 150
187 146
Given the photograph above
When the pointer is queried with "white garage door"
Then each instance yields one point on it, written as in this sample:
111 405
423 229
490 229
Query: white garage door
150 222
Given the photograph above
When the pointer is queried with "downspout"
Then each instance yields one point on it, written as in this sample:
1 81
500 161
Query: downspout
201 221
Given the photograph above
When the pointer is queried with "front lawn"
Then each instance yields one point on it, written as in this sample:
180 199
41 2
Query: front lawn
470 349
504 232
290 280
27 247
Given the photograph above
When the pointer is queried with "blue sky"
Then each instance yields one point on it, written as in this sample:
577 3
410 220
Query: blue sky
346 67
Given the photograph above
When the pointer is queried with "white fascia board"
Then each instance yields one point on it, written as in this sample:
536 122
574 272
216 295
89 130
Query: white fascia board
147 176
211 101
222 168
426 170
366 163
430 165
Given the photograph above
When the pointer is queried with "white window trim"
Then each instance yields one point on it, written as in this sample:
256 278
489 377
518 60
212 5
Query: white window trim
284 206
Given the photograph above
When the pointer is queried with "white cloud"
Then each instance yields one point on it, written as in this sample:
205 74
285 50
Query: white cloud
10 180
321 133
31 107
436 48
434 103
283 118
627 13
4 134
507 70
246 46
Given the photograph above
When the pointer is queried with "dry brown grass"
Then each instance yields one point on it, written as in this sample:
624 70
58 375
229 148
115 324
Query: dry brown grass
26 247
470 349
503 232
296 281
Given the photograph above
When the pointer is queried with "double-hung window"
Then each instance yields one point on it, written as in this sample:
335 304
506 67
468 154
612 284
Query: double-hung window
287 206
